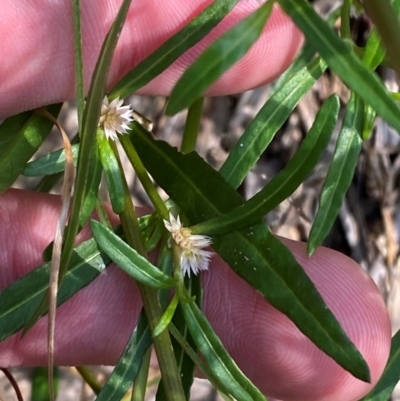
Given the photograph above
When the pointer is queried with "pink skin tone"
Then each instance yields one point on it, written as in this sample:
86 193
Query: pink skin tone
93 326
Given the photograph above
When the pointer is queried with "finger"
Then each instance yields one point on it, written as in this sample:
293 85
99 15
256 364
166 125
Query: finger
94 325
39 69
28 223
272 351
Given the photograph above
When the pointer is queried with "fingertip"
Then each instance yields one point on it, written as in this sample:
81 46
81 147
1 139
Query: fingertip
273 352
269 56
50 78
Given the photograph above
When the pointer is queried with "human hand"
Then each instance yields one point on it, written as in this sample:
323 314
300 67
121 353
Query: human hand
92 328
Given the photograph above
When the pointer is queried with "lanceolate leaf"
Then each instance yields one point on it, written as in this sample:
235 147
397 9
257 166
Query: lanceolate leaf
113 174
340 173
270 118
166 317
231 378
84 174
185 363
216 59
128 259
254 253
374 51
128 365
20 138
342 61
391 375
50 163
93 178
174 47
284 183
85 183
19 300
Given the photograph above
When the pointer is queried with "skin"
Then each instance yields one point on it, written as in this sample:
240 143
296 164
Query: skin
94 325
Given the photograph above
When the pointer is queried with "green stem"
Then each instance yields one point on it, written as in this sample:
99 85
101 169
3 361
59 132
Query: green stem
192 126
385 18
162 343
129 218
143 176
345 32
80 96
89 378
140 386
207 372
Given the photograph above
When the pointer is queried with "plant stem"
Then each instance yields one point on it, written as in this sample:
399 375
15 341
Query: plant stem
345 20
139 388
162 343
89 378
80 96
207 372
144 177
192 126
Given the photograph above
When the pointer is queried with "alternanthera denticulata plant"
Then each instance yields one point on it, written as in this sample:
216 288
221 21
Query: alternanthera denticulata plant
205 208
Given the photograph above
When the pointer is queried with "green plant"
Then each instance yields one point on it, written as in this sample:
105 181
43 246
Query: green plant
234 224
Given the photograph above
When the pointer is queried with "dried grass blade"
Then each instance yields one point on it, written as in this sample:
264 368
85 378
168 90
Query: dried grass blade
66 194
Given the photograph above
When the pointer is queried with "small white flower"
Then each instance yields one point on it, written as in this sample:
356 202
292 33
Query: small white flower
115 118
193 257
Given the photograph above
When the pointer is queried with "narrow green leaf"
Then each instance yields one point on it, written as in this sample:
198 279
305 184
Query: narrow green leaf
216 59
254 253
231 378
82 203
185 363
340 173
129 364
20 138
128 259
140 385
51 163
342 61
266 124
78 61
167 316
173 48
93 179
390 377
192 126
115 183
19 300
285 182
153 232
90 120
374 52
152 229
368 122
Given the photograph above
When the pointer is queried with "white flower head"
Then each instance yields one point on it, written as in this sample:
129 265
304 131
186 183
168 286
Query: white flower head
193 257
114 118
